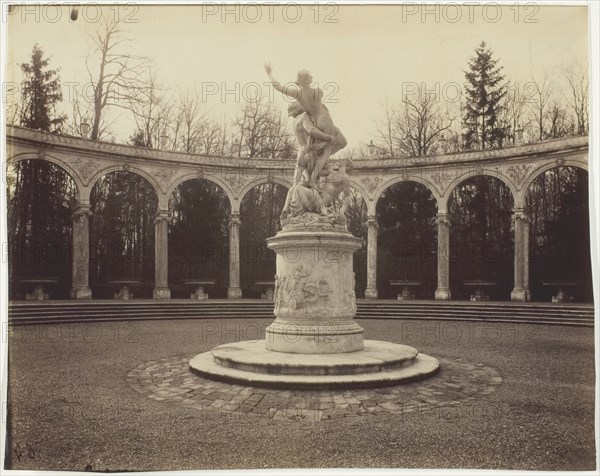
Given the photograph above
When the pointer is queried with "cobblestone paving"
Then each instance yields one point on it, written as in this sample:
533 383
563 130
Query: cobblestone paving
171 381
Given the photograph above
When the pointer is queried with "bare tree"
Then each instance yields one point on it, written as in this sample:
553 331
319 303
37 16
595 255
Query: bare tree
151 111
262 131
212 138
560 123
539 95
385 128
189 123
514 111
420 124
113 73
82 111
578 82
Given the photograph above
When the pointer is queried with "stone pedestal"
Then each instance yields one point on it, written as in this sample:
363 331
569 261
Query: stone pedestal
314 341
315 301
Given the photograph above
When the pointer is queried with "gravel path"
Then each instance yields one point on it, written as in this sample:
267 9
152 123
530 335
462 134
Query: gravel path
71 404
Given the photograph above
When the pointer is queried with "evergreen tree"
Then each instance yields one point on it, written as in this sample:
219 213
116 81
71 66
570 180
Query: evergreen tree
485 91
41 92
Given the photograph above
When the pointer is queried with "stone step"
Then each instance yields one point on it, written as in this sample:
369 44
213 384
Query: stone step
251 356
368 368
97 311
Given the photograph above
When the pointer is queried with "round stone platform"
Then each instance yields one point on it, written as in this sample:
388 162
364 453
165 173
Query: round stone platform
378 364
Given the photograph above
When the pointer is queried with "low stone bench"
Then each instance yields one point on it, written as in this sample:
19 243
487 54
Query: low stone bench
405 294
479 285
38 293
561 295
124 285
199 294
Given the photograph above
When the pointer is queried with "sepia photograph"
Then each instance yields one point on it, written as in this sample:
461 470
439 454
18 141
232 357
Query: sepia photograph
311 237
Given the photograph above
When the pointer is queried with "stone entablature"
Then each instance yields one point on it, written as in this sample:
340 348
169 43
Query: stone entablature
87 161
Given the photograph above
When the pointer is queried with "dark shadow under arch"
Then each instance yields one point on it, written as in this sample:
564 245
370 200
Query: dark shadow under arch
199 212
259 216
481 237
557 203
123 206
407 242
41 198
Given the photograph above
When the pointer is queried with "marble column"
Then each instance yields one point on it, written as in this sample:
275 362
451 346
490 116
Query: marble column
80 288
442 293
234 291
521 266
371 291
161 255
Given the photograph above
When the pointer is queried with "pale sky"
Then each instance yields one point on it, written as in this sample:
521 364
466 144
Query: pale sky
360 60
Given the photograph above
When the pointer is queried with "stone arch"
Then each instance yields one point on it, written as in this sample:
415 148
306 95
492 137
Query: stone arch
394 181
44 249
129 168
55 161
485 252
113 257
559 224
260 210
192 176
406 238
355 184
199 210
259 181
443 199
545 167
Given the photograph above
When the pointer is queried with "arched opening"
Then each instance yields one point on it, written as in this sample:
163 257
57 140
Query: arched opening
41 198
123 206
559 246
407 242
481 239
356 216
199 212
259 219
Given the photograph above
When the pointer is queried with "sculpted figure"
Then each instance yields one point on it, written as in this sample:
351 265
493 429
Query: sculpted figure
310 100
337 181
311 141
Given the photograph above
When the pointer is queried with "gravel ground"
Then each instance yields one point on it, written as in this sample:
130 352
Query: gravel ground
70 405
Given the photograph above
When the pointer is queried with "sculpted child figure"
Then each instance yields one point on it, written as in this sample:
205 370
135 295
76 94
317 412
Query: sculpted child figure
310 100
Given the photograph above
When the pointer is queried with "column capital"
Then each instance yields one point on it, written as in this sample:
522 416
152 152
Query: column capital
234 219
80 210
442 219
520 214
372 221
161 215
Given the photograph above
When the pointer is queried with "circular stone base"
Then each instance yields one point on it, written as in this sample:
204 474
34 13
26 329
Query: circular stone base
378 364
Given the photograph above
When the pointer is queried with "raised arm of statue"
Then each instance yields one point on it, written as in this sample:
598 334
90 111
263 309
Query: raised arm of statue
290 91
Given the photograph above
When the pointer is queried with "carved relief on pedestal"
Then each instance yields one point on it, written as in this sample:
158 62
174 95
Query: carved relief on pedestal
296 291
306 290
